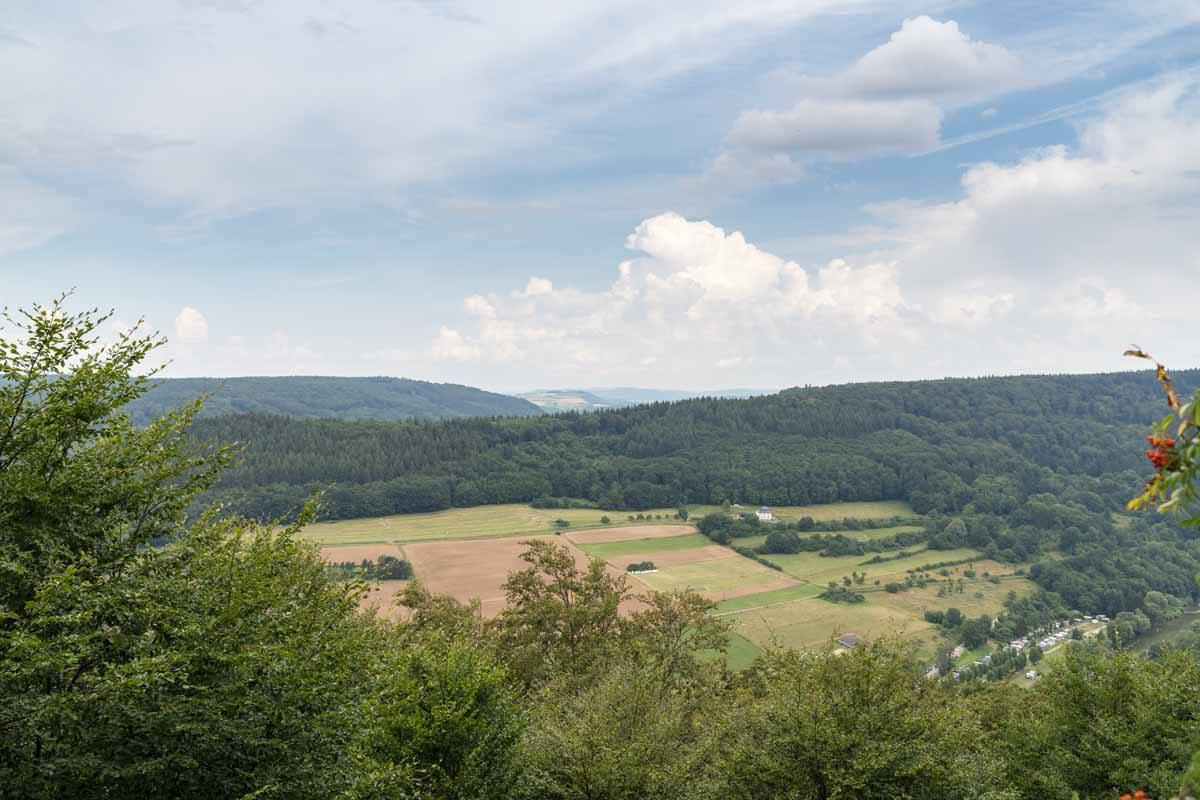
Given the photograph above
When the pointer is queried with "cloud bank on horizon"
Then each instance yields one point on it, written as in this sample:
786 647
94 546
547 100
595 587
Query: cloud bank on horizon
804 192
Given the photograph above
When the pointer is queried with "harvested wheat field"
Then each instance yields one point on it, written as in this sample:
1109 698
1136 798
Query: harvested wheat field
626 532
382 598
358 552
478 568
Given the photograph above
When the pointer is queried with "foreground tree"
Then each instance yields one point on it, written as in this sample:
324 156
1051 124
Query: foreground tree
223 664
862 725
560 618
79 484
445 723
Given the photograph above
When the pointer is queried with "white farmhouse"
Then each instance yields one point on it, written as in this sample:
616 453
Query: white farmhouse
765 514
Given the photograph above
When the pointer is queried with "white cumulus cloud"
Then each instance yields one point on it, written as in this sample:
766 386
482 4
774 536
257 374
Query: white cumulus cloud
889 101
191 327
693 297
932 59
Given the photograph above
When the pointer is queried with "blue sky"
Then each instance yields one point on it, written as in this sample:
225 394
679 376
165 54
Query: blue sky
694 194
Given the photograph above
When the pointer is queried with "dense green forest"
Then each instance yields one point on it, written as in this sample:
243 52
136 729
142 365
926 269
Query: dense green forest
937 444
228 662
317 397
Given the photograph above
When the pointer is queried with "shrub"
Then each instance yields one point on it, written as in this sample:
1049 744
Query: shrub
841 594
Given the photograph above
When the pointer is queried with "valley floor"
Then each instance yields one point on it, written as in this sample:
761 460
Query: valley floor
468 553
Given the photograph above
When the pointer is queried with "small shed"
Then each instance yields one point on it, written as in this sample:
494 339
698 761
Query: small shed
765 514
849 640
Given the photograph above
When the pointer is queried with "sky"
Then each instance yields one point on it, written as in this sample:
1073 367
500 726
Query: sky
688 195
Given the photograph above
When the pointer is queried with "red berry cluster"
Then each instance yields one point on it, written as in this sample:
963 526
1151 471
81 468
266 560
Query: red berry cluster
1138 795
1160 453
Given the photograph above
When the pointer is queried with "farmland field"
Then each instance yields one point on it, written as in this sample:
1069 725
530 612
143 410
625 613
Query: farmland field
633 547
517 519
473 569
858 536
381 595
718 579
815 568
872 509
468 553
357 553
624 533
806 623
477 522
773 597
741 652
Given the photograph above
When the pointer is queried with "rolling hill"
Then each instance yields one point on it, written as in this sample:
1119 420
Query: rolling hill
317 397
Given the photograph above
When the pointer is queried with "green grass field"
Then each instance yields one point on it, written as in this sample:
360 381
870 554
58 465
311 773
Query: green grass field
750 601
516 519
820 569
858 536
477 522
872 509
795 617
712 577
634 547
741 652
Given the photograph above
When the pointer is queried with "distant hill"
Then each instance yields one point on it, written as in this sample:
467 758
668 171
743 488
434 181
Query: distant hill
634 395
559 400
600 399
315 397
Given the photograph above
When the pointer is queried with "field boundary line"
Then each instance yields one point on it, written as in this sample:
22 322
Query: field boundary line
768 605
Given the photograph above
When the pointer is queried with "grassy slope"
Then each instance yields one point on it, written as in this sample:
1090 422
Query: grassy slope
712 577
794 617
819 569
478 522
866 510
633 547
516 519
858 536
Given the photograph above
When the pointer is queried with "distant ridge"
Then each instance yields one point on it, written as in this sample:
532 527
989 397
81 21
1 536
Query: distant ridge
602 398
319 397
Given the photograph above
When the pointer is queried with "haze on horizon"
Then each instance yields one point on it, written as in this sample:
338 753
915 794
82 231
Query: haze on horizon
685 195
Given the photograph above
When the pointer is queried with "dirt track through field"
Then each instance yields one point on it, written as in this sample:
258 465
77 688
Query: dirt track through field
624 534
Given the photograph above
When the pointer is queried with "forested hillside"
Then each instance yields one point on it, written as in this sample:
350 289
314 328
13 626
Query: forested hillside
1024 469
937 444
317 397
